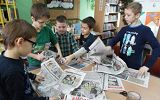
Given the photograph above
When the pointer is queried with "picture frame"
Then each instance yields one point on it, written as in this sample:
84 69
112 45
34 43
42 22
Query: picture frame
60 4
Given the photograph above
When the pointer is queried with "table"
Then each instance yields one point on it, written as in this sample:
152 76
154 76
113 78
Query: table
150 93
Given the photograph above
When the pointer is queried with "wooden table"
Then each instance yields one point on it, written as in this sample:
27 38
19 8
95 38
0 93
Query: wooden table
150 93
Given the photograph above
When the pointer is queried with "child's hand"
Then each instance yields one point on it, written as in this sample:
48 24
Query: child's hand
79 60
59 54
40 56
143 71
39 78
68 59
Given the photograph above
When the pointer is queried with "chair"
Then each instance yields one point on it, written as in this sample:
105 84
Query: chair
116 49
155 70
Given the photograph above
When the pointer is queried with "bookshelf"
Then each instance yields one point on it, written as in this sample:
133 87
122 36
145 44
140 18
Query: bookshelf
107 18
7 11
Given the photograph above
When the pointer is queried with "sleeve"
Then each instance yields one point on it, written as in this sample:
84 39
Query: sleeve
80 52
15 87
53 37
116 39
74 45
150 38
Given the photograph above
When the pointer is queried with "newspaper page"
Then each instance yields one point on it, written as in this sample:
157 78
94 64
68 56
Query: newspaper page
90 88
130 75
113 83
101 96
78 64
111 65
97 48
70 80
51 72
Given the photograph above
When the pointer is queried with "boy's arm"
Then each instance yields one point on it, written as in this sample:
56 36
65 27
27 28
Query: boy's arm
38 56
58 49
77 54
16 87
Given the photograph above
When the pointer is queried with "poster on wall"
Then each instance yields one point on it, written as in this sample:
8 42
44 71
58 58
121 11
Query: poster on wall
150 14
153 21
60 4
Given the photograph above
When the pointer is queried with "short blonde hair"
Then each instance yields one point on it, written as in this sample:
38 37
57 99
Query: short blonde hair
136 7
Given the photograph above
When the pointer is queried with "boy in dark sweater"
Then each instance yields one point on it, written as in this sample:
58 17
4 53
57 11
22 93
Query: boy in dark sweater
133 38
86 39
19 38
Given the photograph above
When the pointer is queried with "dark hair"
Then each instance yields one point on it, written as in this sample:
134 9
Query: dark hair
90 21
61 19
136 7
15 29
39 10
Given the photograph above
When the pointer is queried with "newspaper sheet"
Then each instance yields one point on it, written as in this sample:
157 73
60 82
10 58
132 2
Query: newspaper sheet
131 75
78 65
97 48
91 86
113 83
51 72
56 81
101 96
70 80
111 65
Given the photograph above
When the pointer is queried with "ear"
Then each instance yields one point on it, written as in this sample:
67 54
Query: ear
138 15
19 41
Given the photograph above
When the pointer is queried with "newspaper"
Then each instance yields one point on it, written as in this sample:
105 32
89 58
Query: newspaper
101 96
78 65
111 65
51 72
91 86
130 75
56 81
70 80
97 48
113 83
49 54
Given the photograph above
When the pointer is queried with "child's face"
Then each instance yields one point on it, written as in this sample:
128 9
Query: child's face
38 24
130 17
29 43
85 29
61 27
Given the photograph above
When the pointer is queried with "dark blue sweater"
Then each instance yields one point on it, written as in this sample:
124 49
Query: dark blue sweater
86 42
14 80
132 41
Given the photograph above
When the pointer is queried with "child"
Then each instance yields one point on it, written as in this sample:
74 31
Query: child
68 44
86 38
14 78
133 38
45 36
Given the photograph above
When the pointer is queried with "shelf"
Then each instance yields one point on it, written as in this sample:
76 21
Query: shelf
8 11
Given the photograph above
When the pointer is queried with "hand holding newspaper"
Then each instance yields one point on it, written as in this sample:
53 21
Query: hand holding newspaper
56 81
98 48
131 75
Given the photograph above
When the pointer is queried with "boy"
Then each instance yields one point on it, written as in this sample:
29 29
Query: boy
86 39
68 44
14 78
45 36
133 38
